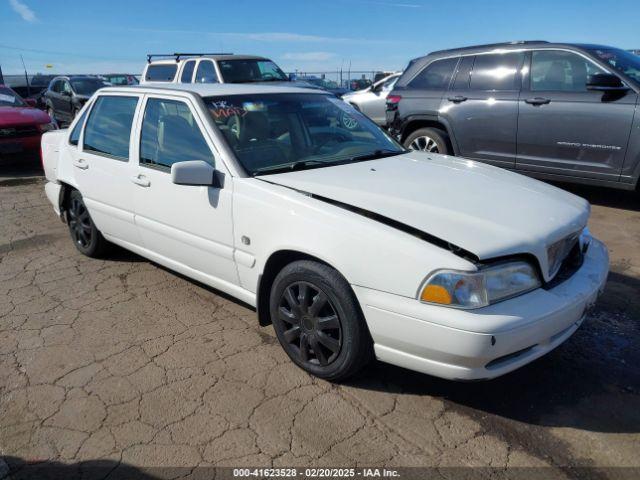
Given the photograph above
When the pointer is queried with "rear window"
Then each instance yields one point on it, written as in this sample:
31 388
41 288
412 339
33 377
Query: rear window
435 76
108 129
163 72
9 99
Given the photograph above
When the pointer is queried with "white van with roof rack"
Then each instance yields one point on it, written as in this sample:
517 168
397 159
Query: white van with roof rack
215 68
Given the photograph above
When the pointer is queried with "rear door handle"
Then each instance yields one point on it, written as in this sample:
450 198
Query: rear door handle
141 180
457 99
537 101
81 164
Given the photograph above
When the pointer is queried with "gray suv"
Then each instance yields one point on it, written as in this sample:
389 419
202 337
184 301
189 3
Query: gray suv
563 112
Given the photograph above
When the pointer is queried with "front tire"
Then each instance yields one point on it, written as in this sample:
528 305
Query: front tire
318 320
430 140
84 233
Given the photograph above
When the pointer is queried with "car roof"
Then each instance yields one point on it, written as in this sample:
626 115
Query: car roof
210 57
518 45
212 89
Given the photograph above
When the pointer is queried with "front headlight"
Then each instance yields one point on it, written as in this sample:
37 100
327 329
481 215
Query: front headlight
489 285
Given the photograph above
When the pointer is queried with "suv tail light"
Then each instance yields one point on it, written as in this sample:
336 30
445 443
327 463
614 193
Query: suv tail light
393 99
392 102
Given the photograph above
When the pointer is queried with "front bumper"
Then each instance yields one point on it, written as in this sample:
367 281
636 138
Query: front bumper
487 342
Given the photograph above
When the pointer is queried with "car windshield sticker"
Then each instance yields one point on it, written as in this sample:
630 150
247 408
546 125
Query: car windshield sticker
223 109
348 115
7 98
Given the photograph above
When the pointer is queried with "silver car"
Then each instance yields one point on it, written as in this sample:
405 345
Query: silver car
372 100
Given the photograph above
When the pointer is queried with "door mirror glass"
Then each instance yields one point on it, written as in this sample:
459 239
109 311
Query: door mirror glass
604 82
193 172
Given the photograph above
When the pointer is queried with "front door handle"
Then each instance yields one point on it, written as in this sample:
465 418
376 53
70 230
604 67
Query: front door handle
537 101
457 99
141 180
81 164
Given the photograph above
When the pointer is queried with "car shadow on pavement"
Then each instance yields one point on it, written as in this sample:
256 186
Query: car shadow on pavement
591 382
14 468
606 197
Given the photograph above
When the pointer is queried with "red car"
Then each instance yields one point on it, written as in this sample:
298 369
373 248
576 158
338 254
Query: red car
21 125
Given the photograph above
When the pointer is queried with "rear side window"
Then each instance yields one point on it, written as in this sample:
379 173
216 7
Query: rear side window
162 72
187 71
435 76
497 71
108 129
170 135
206 72
74 138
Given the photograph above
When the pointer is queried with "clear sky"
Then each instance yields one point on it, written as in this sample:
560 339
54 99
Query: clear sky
104 36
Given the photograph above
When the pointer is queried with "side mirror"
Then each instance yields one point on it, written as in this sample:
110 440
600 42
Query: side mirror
605 82
193 172
31 102
66 93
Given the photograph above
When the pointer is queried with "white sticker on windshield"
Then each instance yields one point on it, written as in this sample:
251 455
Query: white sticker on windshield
7 98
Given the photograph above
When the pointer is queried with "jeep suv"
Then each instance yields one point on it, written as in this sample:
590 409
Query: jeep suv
563 112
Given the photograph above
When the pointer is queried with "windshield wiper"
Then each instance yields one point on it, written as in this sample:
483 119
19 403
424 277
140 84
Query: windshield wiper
374 155
290 167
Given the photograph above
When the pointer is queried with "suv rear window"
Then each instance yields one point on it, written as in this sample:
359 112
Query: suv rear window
496 71
435 76
163 72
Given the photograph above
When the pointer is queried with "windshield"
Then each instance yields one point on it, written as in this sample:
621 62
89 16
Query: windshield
246 71
271 133
8 98
87 86
621 60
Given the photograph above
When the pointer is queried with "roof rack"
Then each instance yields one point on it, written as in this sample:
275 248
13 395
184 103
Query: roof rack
178 55
489 45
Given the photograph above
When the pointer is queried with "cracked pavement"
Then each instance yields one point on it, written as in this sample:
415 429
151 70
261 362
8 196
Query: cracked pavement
122 361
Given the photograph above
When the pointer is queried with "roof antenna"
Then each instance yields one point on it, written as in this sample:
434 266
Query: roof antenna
26 77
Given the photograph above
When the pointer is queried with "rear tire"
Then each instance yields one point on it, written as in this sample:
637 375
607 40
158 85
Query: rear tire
84 233
430 140
318 320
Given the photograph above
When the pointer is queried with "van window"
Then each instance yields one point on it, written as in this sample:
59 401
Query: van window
206 72
161 72
187 71
108 129
435 76
170 135
497 71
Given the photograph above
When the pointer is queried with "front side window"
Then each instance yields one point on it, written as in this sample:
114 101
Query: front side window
170 135
270 133
555 70
66 88
161 72
497 71
621 60
108 130
74 138
187 71
206 72
247 71
435 76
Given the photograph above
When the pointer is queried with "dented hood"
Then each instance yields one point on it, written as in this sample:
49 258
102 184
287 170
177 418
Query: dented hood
485 210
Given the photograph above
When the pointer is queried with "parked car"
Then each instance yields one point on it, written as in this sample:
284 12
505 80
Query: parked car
119 79
372 101
66 95
21 125
348 243
554 111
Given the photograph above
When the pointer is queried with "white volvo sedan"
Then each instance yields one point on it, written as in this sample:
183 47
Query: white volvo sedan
351 246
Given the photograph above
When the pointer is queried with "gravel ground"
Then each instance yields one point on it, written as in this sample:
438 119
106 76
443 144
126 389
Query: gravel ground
124 365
